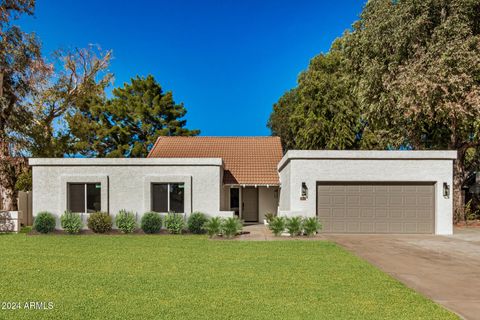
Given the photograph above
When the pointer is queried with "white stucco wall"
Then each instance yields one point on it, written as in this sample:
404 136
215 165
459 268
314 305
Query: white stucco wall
366 166
126 182
267 201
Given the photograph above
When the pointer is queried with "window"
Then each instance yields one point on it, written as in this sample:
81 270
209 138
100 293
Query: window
235 200
84 197
168 197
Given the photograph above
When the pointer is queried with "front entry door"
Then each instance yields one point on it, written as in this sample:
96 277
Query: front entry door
250 204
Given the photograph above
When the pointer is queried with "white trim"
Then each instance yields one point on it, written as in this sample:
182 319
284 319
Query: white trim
125 161
367 154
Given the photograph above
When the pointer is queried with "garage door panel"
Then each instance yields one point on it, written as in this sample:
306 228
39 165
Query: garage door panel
353 200
381 200
339 226
324 200
396 213
376 207
339 200
395 200
366 188
424 201
338 188
353 227
380 213
353 212
395 189
366 201
367 213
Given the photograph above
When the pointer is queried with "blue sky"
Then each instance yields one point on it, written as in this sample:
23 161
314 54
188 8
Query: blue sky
228 61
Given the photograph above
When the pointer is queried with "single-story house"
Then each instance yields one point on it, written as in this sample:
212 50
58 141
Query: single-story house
349 191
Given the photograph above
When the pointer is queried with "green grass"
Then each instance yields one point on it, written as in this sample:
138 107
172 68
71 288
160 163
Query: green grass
191 277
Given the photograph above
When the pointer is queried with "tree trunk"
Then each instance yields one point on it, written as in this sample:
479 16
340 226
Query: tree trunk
458 196
7 185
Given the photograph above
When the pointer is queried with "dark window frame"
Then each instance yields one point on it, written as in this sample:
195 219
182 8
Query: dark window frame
85 195
169 195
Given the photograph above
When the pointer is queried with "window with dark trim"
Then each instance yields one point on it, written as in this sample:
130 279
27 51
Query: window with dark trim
84 197
168 197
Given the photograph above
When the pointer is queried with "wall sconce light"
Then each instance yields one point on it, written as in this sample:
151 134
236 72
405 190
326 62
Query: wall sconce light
446 190
304 195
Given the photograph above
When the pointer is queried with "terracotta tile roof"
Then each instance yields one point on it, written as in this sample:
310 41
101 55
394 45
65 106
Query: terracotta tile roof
247 160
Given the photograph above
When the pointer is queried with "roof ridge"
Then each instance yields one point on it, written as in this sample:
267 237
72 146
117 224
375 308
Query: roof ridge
216 137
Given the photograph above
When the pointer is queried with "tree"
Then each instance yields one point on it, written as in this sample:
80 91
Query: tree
20 64
279 121
321 112
128 124
80 76
417 65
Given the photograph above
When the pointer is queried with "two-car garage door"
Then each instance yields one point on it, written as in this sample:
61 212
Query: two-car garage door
376 207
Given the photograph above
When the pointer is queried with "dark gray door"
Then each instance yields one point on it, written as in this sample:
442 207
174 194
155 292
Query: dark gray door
376 207
250 204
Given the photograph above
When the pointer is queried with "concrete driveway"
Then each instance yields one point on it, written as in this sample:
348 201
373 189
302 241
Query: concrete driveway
446 269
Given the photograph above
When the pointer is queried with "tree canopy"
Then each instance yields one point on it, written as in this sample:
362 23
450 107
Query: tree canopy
128 124
408 77
321 112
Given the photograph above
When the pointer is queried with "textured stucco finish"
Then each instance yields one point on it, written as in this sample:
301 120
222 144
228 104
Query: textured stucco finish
433 166
267 201
126 185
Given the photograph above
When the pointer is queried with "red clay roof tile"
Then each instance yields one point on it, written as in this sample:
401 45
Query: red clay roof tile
247 160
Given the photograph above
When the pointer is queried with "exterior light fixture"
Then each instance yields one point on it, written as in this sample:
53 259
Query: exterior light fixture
304 195
446 190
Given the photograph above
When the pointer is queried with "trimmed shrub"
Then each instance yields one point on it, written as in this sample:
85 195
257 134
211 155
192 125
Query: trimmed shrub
196 222
125 221
44 222
311 226
277 225
294 226
99 222
174 222
151 222
231 226
71 222
213 226
269 216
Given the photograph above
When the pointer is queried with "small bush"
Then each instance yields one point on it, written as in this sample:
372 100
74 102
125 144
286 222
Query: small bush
125 221
174 222
294 226
277 225
311 226
44 222
71 222
196 222
213 226
99 222
231 226
151 222
269 216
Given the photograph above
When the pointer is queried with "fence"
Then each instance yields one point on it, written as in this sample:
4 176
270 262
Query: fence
24 201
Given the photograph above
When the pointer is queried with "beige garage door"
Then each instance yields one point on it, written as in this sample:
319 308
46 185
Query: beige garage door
376 207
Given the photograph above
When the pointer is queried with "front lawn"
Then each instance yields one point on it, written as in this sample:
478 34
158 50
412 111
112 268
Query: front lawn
191 277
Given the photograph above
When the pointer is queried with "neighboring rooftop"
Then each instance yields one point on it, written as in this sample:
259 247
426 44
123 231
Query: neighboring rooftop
247 160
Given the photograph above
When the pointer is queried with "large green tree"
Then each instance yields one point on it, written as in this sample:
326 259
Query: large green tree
418 69
321 112
406 76
128 124
80 75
